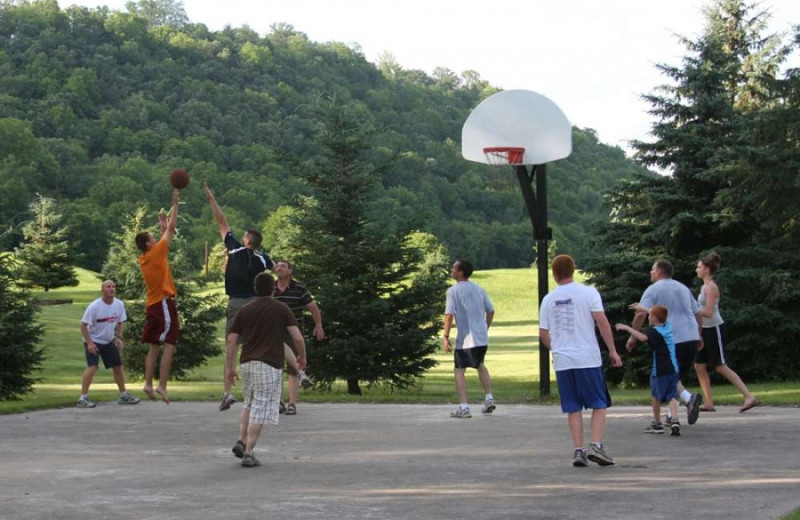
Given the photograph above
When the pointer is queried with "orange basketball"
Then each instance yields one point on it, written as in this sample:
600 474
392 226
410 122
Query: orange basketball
179 178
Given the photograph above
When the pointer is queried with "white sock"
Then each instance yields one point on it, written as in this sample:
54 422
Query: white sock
686 396
597 444
123 393
464 406
84 397
302 374
489 397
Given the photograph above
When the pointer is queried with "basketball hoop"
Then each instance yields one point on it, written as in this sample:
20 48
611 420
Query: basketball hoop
504 155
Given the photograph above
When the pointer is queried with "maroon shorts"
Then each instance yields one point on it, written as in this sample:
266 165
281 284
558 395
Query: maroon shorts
161 323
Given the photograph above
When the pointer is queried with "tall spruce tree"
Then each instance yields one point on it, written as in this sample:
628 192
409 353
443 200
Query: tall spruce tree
44 254
703 129
20 355
380 286
198 313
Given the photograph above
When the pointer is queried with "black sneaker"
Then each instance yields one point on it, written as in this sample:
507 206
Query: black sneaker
579 460
655 427
250 461
675 426
693 408
238 449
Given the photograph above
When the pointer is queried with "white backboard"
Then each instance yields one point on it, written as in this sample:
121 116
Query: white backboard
520 118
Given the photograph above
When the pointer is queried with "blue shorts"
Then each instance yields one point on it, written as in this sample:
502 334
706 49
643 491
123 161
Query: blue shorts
109 352
664 388
581 388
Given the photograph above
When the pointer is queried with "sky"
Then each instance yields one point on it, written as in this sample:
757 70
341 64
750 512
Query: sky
593 58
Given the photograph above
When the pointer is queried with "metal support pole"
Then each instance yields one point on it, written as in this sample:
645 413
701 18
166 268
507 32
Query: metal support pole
536 202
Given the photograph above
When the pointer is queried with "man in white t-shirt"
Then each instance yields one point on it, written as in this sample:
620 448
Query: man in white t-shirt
101 327
567 320
472 309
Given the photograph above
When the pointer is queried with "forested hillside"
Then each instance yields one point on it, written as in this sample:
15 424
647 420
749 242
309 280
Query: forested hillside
98 106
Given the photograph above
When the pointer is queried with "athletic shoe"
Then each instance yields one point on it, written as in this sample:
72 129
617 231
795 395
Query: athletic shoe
128 399
238 449
460 413
579 460
86 403
227 401
655 427
250 461
305 381
598 454
675 426
693 408
488 407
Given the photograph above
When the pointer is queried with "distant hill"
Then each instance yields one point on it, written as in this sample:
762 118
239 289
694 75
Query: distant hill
97 106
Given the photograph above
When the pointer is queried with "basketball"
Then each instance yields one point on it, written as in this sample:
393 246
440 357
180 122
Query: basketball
179 178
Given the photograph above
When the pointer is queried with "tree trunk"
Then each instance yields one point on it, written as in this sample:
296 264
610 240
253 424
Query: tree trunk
352 387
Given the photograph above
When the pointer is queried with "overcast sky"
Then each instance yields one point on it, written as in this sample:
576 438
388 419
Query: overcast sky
593 58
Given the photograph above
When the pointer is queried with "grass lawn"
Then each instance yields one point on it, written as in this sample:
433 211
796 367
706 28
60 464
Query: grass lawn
513 359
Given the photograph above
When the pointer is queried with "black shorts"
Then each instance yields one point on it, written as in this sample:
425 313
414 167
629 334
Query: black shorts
469 357
713 353
108 351
685 352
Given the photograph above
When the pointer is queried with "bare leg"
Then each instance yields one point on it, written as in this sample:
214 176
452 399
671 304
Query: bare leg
575 423
164 371
701 369
657 409
728 373
244 419
150 370
673 407
253 431
486 381
461 384
119 378
291 358
86 380
294 388
598 425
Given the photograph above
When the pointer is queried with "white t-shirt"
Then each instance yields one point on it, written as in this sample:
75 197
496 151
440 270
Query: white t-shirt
469 303
101 319
566 313
680 303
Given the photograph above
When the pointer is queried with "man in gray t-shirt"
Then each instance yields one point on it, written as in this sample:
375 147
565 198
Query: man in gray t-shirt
473 311
686 322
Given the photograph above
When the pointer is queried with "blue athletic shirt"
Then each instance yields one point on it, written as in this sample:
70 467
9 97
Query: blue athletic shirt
664 360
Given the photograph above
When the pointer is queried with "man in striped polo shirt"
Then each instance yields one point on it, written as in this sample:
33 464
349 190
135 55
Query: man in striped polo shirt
296 296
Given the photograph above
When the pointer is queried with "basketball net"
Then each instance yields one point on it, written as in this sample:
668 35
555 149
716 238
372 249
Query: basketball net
504 155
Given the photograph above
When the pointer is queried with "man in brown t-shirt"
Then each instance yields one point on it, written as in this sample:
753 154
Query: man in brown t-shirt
261 325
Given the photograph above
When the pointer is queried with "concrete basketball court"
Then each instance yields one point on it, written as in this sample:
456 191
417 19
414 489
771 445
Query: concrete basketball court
352 461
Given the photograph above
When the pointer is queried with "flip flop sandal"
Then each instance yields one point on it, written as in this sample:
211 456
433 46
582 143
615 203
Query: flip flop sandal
291 409
749 406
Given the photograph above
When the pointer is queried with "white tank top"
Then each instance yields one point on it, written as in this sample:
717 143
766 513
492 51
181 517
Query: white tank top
716 318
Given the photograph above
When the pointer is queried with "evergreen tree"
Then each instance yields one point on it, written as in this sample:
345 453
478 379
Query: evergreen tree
20 333
198 313
44 256
380 287
704 125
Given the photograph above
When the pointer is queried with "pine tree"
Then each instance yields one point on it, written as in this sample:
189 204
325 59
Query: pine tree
380 287
703 131
20 355
44 255
198 313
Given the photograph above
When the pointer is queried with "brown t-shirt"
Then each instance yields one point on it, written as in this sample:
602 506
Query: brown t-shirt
261 325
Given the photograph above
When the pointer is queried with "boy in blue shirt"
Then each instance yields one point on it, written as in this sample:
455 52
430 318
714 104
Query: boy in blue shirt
664 376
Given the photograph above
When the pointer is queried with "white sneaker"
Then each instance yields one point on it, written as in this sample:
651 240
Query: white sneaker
86 403
488 406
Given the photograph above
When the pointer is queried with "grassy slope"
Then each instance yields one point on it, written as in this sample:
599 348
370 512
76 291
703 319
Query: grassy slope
512 359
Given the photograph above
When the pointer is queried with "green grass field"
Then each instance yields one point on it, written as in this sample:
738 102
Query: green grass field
513 359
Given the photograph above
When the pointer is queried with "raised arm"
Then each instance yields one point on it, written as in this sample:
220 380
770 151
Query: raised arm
219 216
172 223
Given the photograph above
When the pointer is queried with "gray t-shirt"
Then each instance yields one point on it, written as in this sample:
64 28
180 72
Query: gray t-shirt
680 303
469 303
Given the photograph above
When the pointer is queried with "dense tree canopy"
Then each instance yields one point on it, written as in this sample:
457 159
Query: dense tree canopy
97 106
727 129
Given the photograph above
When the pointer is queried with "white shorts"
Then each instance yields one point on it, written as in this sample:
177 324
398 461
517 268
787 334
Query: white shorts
261 386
